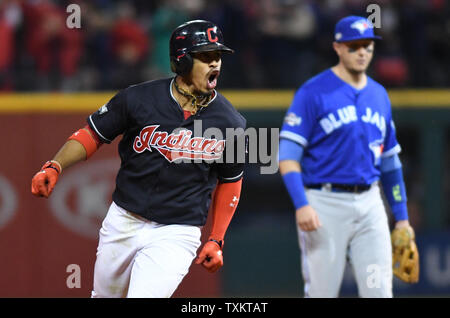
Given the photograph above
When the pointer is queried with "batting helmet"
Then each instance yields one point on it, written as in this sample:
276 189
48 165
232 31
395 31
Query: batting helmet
190 37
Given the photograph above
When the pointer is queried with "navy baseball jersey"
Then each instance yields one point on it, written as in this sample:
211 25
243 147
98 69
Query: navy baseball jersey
167 173
345 131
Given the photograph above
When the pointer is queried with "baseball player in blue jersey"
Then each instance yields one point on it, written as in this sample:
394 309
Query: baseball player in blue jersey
337 142
168 171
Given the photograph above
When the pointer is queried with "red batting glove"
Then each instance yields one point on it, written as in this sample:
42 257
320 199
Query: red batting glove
44 181
210 256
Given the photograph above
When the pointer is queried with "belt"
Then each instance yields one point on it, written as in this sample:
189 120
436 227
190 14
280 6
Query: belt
334 187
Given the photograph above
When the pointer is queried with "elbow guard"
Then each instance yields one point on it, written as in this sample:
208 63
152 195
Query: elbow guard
86 137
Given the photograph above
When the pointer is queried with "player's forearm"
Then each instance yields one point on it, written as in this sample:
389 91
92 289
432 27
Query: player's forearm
70 153
225 201
395 191
394 186
290 155
80 146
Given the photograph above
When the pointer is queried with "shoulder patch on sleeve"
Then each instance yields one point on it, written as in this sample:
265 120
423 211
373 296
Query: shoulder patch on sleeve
292 119
103 109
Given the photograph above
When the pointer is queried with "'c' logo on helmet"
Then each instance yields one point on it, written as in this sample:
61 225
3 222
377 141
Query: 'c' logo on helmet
210 38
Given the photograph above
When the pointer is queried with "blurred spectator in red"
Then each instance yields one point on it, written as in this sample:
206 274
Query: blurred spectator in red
55 49
7 40
10 17
391 71
130 45
390 67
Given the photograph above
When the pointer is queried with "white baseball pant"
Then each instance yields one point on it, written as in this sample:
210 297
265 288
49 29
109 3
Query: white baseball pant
140 258
354 227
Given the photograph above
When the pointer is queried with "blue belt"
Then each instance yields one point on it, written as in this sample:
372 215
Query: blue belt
335 187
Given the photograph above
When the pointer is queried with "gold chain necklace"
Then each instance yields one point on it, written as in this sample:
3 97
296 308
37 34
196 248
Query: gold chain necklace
195 99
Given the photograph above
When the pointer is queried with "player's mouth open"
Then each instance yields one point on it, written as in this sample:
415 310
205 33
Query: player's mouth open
212 79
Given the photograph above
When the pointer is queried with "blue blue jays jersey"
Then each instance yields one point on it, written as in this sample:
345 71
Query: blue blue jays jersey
345 131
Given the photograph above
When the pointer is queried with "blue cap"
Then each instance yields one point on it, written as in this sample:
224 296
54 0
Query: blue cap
353 28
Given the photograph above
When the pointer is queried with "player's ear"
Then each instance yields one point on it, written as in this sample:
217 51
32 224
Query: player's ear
337 47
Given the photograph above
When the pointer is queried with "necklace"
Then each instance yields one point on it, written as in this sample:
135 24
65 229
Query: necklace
195 99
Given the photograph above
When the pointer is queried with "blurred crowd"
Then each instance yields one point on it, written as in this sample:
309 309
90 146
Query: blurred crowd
278 43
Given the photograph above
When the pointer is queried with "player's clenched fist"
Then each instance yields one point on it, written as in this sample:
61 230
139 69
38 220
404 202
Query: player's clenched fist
307 219
210 256
44 181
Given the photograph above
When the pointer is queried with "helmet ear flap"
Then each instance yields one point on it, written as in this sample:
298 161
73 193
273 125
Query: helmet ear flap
173 64
183 65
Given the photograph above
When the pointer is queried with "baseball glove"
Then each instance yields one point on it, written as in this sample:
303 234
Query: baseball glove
405 256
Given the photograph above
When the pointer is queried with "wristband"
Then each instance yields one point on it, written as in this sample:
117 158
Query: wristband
400 211
220 242
51 164
294 184
395 192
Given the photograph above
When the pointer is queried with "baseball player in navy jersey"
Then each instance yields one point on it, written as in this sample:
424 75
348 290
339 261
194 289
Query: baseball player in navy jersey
337 142
168 171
